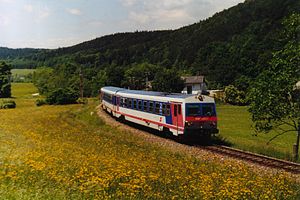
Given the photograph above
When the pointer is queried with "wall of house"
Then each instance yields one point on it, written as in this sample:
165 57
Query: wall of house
195 88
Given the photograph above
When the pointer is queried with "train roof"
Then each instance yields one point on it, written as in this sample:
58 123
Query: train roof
148 93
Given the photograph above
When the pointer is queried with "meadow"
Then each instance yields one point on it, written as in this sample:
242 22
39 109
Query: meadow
236 128
22 75
65 152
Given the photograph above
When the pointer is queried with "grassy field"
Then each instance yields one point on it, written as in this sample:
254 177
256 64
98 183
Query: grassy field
236 127
21 75
64 152
22 72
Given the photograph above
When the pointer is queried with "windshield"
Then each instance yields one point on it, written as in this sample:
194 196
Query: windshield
200 109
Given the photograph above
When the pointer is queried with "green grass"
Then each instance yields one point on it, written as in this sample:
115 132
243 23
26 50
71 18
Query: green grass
22 75
68 152
235 126
22 94
22 72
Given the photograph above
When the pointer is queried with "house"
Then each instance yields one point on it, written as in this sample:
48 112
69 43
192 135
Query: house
194 84
297 87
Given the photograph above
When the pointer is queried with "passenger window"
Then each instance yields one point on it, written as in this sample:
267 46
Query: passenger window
140 104
175 110
134 104
151 106
164 111
121 102
125 102
130 103
168 110
145 106
157 108
179 109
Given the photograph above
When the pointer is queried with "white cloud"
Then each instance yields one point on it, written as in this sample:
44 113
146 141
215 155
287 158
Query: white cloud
42 14
4 21
28 8
7 1
165 14
95 23
74 11
141 18
128 2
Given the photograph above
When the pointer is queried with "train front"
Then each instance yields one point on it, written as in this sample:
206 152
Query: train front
201 117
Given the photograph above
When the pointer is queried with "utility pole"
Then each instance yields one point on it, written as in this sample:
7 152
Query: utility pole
81 83
296 146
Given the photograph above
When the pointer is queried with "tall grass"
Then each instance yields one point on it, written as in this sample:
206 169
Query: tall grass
67 152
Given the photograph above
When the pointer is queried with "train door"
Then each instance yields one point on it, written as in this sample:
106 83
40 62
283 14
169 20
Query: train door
117 103
177 118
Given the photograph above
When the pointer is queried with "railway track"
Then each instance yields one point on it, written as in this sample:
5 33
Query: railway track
258 159
254 158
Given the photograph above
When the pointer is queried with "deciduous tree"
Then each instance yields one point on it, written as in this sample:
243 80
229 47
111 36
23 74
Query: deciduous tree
275 102
5 75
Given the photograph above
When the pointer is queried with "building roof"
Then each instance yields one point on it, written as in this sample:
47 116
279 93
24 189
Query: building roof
194 79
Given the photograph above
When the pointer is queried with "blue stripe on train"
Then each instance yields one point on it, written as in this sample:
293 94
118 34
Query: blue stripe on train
169 119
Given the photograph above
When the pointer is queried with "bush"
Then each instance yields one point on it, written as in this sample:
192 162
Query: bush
40 102
82 101
235 97
62 96
7 104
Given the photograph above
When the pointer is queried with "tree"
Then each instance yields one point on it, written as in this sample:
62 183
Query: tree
41 78
138 74
234 96
5 75
275 100
167 80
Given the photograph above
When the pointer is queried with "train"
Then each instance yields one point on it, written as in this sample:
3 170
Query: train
178 114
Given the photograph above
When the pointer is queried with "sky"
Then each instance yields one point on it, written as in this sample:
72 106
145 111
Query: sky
61 23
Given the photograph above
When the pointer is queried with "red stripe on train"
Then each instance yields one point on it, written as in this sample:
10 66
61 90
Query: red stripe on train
200 119
153 122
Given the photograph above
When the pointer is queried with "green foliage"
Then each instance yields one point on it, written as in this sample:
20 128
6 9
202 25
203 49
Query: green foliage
234 97
40 102
60 85
62 96
167 80
274 98
5 75
138 74
7 104
274 103
41 79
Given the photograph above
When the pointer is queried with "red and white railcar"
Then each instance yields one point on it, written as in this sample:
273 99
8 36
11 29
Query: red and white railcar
178 113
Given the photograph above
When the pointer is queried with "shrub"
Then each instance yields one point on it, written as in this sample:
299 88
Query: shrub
40 102
82 101
235 97
62 96
7 104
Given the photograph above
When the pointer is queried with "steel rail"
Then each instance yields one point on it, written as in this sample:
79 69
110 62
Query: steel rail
254 158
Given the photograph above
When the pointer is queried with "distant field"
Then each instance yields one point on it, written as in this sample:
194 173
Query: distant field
64 152
22 72
22 75
235 126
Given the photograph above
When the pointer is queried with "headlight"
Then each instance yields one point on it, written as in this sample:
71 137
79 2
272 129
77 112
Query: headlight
187 123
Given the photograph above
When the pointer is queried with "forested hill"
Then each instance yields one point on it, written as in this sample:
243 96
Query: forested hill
7 53
231 47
